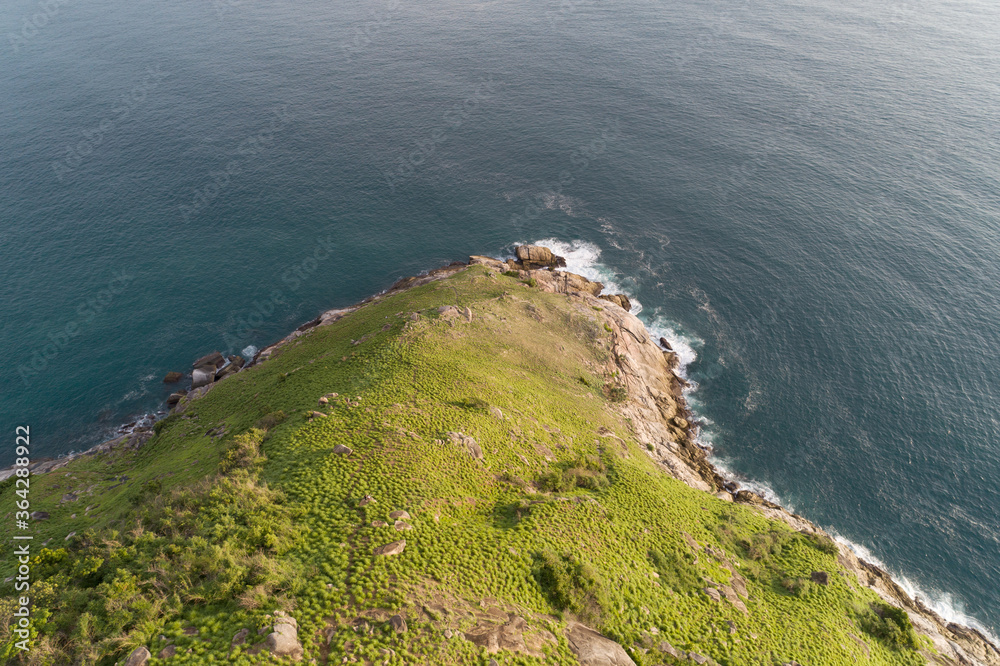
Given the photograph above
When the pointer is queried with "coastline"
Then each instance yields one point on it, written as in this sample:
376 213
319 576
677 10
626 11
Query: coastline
664 423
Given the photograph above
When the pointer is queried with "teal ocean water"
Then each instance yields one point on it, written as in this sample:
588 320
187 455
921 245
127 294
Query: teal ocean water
804 195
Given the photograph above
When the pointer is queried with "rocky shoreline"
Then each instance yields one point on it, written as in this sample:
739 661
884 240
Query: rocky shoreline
651 395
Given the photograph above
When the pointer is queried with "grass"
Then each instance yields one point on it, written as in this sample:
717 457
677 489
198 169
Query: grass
209 533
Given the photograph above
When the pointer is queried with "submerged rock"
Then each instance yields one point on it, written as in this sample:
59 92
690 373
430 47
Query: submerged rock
173 377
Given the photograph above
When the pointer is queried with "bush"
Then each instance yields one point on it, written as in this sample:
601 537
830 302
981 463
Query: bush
570 584
268 421
890 625
822 543
798 586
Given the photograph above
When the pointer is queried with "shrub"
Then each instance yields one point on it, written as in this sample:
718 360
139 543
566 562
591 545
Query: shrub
798 586
570 584
268 421
890 625
822 543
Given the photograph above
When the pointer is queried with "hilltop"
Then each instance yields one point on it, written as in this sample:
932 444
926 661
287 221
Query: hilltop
489 463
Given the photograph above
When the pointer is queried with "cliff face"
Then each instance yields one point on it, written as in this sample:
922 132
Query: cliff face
488 463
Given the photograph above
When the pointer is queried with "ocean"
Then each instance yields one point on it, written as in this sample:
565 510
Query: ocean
803 196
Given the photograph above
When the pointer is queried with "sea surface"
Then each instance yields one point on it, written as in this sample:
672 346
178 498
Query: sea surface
803 195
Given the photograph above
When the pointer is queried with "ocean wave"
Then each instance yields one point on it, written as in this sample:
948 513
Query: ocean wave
945 604
583 258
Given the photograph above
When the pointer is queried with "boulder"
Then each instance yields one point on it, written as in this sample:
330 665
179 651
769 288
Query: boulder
139 656
402 527
226 371
469 443
495 637
39 515
666 345
393 548
202 376
697 658
820 577
593 649
238 361
324 401
713 594
240 637
366 500
400 514
173 377
342 450
167 652
621 300
318 415
667 648
284 640
379 523
398 624
213 360
535 256
174 398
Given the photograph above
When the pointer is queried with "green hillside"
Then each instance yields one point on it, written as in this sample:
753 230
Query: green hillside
530 507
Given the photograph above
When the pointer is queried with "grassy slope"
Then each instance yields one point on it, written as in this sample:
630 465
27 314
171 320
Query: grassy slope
480 532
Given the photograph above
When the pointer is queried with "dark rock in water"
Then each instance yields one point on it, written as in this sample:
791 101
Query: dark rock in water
238 361
621 300
173 377
665 344
309 324
202 376
213 360
535 256
821 577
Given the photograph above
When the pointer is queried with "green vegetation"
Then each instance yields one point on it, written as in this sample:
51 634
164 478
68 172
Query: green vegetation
233 510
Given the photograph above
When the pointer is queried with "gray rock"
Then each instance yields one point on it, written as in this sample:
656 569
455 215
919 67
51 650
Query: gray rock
139 656
713 594
667 648
398 624
213 360
593 649
167 652
174 398
402 527
240 637
821 577
342 450
284 640
202 377
39 515
697 658
400 514
393 548
469 443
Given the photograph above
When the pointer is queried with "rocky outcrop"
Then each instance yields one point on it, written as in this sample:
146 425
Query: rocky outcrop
536 256
139 657
283 641
468 443
593 649
621 300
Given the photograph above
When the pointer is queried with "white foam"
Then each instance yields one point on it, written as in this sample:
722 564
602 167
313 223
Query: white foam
945 604
249 352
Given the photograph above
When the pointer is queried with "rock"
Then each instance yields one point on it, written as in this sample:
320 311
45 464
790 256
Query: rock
732 598
681 422
226 371
174 398
732 626
139 656
724 496
493 662
496 637
173 377
747 497
284 640
213 360
366 500
379 523
621 300
324 401
713 594
167 652
821 577
697 658
593 649
394 548
342 450
400 514
238 361
469 443
331 395
467 313
70 536
496 413
39 515
398 624
666 345
317 415
535 256
202 376
240 637
667 648
402 527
